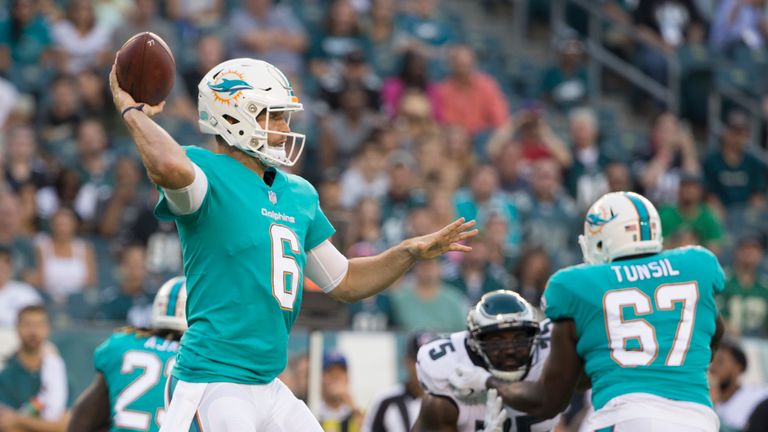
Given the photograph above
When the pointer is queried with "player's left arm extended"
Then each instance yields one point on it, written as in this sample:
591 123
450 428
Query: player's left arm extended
91 410
367 276
552 392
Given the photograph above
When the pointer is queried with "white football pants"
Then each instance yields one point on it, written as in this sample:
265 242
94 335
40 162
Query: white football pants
230 407
641 412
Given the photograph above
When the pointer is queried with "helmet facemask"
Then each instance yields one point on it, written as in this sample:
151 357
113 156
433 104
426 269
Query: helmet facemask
506 349
234 94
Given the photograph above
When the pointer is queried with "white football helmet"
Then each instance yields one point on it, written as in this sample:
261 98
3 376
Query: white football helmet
620 224
502 330
234 93
169 308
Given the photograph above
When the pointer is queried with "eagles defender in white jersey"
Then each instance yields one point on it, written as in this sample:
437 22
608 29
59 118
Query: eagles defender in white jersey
502 336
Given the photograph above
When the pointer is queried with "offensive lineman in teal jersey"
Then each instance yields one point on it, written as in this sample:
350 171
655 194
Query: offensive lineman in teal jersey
132 368
250 233
640 322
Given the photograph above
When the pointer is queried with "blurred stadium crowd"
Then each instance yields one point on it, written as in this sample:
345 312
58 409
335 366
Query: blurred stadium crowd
410 122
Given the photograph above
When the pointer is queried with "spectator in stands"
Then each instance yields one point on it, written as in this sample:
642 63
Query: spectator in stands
396 409
664 25
33 384
64 192
337 410
549 216
344 132
196 15
403 194
565 84
144 17
259 29
341 34
584 179
67 262
673 155
510 166
59 119
413 76
414 122
81 42
691 212
530 131
441 207
130 297
477 275
25 46
618 176
354 70
735 402
365 232
365 177
22 164
735 177
91 84
330 192
470 98
210 52
14 295
429 32
745 298
23 255
118 214
738 22
386 39
532 273
426 302
94 164
484 199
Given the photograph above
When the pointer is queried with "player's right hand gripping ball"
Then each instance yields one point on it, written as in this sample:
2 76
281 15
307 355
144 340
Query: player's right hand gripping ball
146 69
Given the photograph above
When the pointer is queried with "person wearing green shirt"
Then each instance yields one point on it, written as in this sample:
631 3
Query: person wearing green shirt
427 303
692 214
250 233
34 390
744 302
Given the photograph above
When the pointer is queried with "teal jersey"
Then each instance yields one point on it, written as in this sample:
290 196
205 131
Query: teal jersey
644 325
244 253
135 368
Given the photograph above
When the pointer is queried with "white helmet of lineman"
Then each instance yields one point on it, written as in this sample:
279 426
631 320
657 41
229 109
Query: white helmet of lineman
620 224
169 308
234 93
502 330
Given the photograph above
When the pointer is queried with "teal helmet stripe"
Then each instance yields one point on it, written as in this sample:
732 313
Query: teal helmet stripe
173 298
645 219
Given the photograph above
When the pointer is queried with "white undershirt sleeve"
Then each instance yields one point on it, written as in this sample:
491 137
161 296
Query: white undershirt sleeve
326 266
188 199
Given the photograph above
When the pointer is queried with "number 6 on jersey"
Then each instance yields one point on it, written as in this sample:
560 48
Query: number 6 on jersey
285 269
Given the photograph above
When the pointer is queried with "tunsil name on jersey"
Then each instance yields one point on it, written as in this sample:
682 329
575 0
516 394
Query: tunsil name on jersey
652 270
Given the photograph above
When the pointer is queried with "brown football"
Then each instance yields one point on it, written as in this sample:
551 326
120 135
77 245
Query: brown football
146 68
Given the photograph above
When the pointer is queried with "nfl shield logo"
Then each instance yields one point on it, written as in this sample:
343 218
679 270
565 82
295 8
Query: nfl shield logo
272 197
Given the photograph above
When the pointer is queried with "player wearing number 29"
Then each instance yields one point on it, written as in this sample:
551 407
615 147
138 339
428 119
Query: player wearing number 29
249 234
639 321
132 369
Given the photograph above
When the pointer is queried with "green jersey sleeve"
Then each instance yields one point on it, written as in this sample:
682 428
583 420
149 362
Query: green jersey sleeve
320 227
201 158
558 301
